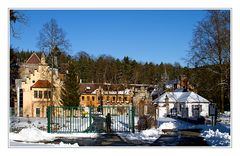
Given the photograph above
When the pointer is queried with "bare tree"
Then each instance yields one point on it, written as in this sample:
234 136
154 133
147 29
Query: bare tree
210 47
52 36
16 17
52 40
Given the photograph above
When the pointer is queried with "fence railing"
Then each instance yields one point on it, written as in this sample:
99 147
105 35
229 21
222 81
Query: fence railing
77 119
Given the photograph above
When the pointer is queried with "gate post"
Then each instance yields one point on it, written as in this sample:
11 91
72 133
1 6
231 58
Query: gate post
71 119
90 116
48 120
133 115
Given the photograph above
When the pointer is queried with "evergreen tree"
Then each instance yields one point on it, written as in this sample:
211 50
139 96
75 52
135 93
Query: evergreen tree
70 90
14 74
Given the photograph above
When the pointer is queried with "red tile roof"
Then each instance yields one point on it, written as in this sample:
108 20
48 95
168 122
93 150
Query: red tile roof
33 59
42 84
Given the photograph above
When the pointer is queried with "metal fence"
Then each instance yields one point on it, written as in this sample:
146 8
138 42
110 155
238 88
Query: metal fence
71 119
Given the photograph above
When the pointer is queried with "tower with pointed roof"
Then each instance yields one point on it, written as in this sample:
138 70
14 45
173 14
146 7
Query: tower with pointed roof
43 59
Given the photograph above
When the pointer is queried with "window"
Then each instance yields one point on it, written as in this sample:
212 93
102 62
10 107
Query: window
33 81
49 94
88 98
37 112
114 98
40 94
125 98
35 94
107 98
45 94
93 98
21 98
182 106
82 98
197 107
120 99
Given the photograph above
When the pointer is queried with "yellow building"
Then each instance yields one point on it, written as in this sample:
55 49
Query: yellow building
34 87
92 94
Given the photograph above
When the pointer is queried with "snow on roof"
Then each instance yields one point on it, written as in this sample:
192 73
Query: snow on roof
123 92
186 97
126 92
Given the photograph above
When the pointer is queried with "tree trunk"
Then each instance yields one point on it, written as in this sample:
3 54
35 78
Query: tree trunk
222 95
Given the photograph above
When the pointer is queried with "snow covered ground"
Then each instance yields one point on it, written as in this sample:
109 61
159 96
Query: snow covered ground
150 135
32 131
33 136
24 144
218 135
18 123
145 136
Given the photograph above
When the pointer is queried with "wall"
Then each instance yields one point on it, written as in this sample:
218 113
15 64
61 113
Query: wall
30 104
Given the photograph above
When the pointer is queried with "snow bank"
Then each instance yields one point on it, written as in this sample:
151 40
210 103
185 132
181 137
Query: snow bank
167 125
150 133
225 118
24 144
218 135
33 134
66 145
216 138
146 136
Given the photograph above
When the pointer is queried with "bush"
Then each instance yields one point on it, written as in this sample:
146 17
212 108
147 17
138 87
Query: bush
201 120
84 114
145 122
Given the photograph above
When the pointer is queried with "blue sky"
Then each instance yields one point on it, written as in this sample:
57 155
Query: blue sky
144 35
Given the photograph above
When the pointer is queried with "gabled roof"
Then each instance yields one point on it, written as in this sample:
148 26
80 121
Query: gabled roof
42 84
180 90
181 97
33 59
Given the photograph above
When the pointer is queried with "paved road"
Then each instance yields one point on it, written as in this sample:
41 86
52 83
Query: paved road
181 138
102 140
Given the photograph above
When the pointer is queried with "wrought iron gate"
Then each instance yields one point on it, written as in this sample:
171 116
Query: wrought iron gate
70 119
